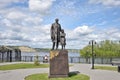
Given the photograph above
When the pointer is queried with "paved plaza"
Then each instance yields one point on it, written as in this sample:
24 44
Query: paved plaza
20 74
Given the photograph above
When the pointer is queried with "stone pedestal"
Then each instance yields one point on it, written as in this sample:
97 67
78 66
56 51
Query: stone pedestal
59 63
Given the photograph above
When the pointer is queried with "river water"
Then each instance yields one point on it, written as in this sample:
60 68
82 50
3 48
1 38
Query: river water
70 54
31 54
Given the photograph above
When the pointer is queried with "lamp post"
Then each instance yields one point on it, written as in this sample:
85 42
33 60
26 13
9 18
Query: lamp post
87 56
92 42
119 46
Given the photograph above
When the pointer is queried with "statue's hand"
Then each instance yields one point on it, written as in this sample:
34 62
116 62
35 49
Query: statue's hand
52 37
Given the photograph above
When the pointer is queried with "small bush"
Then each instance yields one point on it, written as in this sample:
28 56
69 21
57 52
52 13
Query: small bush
36 61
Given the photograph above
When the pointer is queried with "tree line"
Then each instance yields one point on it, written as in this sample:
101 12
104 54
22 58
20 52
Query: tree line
105 48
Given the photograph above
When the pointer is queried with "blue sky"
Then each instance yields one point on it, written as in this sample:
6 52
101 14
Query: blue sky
28 22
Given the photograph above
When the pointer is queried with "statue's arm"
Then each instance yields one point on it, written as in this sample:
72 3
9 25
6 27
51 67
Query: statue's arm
60 27
51 31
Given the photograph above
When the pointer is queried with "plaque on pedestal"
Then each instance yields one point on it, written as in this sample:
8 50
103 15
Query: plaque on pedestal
59 63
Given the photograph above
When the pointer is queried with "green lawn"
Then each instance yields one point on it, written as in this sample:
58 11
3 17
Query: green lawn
112 68
22 66
45 77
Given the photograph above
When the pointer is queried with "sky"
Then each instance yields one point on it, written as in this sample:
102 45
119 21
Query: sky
28 22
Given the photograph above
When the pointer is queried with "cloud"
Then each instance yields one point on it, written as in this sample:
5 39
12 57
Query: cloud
83 30
23 27
22 17
6 22
106 2
113 33
5 3
40 5
108 34
24 35
66 7
81 35
15 15
79 32
33 20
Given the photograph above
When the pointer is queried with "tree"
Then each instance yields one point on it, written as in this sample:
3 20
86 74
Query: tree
105 48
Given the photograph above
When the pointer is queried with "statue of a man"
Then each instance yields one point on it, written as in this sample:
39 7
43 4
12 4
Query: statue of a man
55 33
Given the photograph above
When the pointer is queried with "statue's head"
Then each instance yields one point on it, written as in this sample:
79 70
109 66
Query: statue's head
56 20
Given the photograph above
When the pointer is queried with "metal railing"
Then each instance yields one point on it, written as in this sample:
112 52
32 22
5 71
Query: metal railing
98 60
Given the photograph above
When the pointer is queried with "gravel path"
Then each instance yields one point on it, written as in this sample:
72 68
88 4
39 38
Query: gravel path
20 74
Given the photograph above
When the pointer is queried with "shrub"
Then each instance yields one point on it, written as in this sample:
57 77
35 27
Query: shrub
36 61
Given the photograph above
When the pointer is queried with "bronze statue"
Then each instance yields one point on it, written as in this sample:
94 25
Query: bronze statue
55 33
62 38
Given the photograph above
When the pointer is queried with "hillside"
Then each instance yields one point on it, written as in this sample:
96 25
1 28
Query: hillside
26 49
42 49
29 49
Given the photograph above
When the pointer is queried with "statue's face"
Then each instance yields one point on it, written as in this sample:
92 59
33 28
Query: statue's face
56 20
